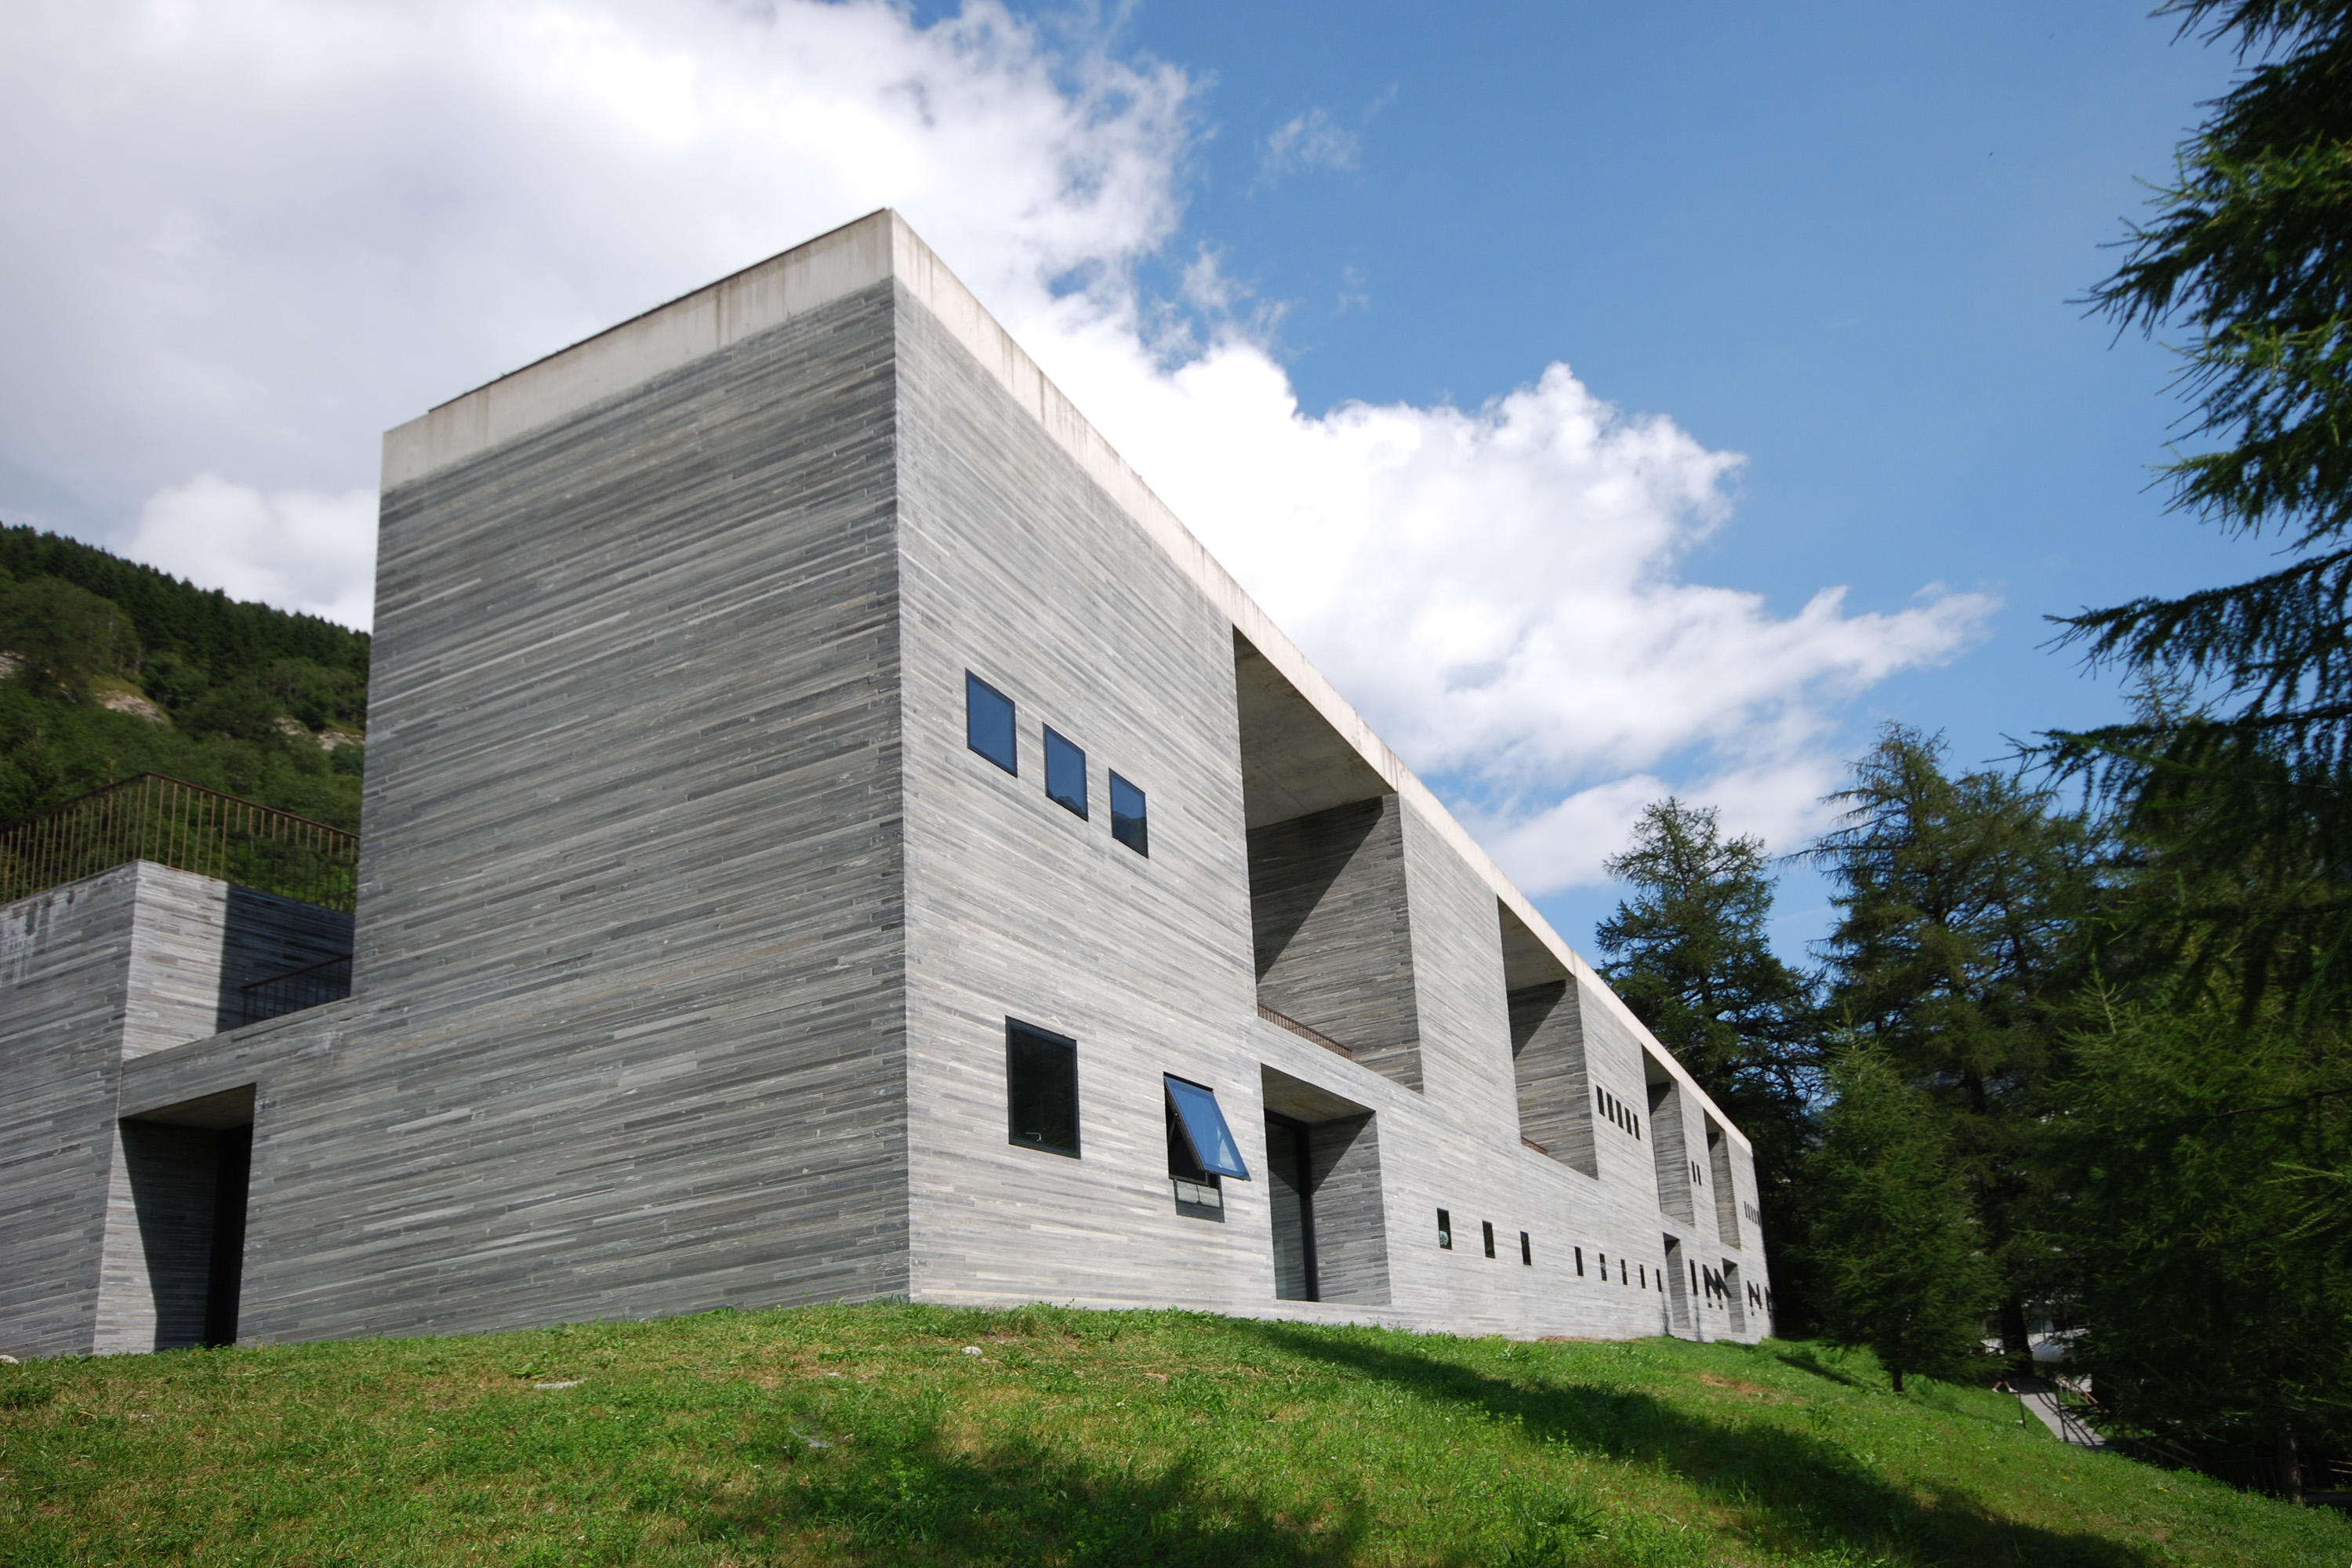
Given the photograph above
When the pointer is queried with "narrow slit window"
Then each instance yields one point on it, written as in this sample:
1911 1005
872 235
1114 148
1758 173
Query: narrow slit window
1645 1276
1041 1074
1202 1126
1579 1263
1526 1250
988 724
1622 1279
1604 1269
1446 1230
1066 773
1488 1225
1128 822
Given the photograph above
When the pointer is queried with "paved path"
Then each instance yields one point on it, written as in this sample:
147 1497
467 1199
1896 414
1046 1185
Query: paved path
2041 1396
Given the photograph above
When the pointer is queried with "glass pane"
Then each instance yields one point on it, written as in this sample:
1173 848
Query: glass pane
1204 1124
1066 773
1126 816
988 724
1040 1073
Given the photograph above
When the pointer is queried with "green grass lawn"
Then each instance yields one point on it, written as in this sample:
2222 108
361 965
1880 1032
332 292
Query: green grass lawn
875 1434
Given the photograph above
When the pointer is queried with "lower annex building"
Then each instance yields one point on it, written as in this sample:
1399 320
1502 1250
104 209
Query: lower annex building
831 833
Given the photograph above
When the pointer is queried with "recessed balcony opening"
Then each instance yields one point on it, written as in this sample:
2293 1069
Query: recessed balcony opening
1547 1049
1323 1161
1328 915
1670 1151
1727 1200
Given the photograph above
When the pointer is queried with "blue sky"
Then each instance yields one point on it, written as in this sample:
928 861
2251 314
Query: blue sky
1612 400
1843 240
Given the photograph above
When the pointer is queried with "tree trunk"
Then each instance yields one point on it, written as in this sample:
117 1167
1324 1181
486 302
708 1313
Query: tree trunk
1898 1370
2290 1466
2013 1336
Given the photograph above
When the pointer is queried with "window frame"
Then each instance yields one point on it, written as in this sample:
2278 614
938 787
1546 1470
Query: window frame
1033 1035
1134 830
1183 1111
1053 739
972 687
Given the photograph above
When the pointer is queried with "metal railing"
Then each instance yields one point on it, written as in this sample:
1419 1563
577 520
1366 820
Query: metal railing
188 827
312 985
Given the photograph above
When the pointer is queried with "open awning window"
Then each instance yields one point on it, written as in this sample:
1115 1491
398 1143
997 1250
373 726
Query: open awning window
1203 1127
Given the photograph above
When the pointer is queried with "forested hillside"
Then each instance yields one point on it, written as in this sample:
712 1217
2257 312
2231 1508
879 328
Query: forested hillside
109 669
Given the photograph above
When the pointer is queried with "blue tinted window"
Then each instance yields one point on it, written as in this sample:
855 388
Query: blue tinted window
988 724
1126 819
1066 773
1204 1129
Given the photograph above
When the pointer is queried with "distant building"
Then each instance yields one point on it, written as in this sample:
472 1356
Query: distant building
831 833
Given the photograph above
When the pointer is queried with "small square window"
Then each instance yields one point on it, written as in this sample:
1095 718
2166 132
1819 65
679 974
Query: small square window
1041 1076
1526 1250
1066 773
988 724
1446 1230
1128 823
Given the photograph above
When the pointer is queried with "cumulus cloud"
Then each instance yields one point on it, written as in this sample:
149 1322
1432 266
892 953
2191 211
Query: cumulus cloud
260 232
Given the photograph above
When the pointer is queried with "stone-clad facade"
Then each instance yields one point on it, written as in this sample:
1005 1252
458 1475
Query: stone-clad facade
690 926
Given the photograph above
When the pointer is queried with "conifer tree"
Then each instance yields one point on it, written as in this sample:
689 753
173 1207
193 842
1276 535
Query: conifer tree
2205 1159
2249 256
1955 895
1892 1243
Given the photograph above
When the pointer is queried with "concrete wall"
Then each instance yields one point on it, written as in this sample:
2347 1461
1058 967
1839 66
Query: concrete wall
627 1030
65 972
1017 567
1332 931
98 972
1362 921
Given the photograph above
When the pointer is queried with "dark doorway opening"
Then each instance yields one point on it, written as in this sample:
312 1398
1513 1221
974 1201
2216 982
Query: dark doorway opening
1681 1323
225 1276
189 1168
1290 1160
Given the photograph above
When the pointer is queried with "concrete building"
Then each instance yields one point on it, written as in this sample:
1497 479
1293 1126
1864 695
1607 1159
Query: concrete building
831 833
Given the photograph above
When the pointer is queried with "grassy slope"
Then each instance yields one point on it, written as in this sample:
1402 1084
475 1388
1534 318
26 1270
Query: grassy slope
868 1435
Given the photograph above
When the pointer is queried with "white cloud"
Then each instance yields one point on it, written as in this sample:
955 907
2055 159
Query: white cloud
1308 141
245 238
294 549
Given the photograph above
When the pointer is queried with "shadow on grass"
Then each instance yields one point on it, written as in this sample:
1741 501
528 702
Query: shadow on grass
901 1493
1800 1488
1806 1361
